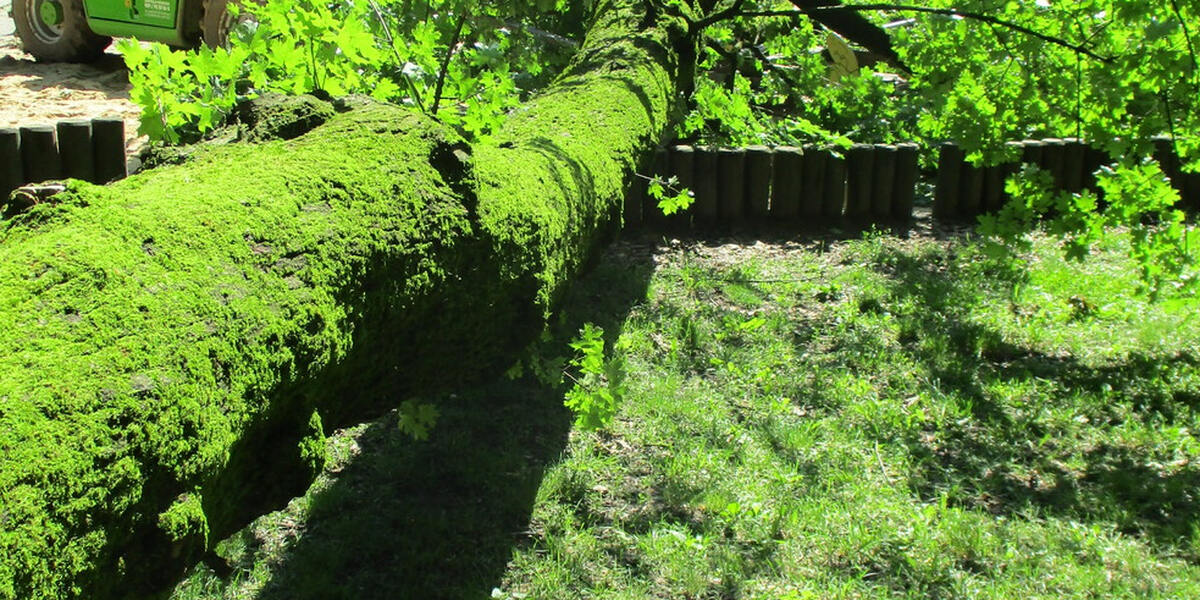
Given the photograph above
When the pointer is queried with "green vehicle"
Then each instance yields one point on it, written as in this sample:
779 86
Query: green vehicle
79 30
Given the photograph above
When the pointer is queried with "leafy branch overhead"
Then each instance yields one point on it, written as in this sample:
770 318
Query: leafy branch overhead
459 60
1116 73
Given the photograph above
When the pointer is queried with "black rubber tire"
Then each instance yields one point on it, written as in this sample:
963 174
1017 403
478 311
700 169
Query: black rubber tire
216 23
73 41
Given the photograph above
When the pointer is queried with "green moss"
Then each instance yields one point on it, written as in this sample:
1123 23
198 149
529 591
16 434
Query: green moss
312 446
184 519
152 324
554 177
278 117
188 333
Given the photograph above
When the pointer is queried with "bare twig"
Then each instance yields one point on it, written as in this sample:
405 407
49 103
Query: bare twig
771 66
733 11
491 22
387 32
441 80
1187 36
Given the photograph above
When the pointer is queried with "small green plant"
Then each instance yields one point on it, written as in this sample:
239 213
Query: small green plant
596 389
1138 198
546 369
417 419
182 94
671 196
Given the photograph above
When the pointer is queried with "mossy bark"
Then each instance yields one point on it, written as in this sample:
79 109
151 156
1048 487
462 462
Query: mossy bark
174 344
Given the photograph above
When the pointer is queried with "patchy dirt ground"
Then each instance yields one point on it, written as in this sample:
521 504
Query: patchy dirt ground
43 93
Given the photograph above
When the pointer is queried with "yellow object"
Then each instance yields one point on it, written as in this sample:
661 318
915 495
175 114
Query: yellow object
844 61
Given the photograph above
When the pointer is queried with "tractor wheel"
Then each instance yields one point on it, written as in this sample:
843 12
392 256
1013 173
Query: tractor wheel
56 31
217 23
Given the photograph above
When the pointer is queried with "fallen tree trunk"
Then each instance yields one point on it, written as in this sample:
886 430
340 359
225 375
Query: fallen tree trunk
174 345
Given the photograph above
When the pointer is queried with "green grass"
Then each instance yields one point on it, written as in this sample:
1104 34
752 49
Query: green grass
875 418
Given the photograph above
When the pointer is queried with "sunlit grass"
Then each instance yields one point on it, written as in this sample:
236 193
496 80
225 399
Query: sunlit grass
886 420
877 418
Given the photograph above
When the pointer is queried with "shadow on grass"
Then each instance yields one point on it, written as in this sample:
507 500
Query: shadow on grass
440 518
1016 460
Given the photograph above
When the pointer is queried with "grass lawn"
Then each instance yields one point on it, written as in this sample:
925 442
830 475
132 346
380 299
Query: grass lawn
871 418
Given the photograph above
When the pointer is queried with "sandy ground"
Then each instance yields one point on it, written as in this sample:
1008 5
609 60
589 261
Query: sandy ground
33 93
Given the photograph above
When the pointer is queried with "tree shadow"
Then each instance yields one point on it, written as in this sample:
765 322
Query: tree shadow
581 178
1013 460
440 518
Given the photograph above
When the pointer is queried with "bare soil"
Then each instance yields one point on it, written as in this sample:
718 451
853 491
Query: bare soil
33 93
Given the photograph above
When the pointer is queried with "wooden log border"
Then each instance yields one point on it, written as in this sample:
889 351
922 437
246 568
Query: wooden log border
863 184
1070 161
92 151
783 185
813 184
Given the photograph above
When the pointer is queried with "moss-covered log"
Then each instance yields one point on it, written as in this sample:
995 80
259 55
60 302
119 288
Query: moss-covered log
172 346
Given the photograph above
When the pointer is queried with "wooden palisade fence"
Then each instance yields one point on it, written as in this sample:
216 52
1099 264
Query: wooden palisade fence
784 184
966 191
80 149
863 184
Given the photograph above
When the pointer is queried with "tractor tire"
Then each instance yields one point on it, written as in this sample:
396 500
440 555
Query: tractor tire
56 31
217 23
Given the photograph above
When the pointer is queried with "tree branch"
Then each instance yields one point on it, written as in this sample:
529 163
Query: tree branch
949 12
734 11
488 21
412 87
441 81
1187 36
771 66
853 26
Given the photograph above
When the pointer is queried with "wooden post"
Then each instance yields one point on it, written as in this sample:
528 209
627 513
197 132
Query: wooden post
970 200
680 164
949 176
993 187
835 191
1164 153
1093 159
1014 160
12 175
786 182
39 154
1073 155
1032 152
905 187
108 146
1168 161
705 173
1054 160
812 182
758 181
1191 191
731 186
75 150
860 175
884 182
660 169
